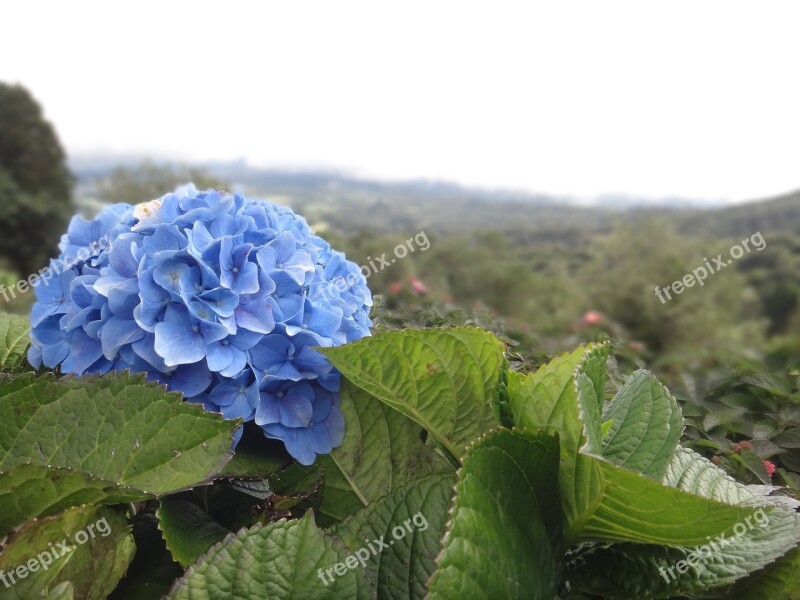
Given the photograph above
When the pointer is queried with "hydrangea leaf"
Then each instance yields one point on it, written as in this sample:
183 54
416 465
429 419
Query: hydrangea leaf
690 472
382 451
548 399
93 567
282 560
187 530
117 428
443 379
14 339
322 487
647 426
780 581
411 521
153 571
652 571
635 508
505 545
63 591
590 382
33 490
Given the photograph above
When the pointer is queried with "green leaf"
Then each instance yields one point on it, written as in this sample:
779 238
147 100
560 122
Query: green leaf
14 339
411 520
101 549
257 488
152 571
287 559
635 508
501 402
382 451
32 490
188 531
780 581
443 379
508 544
647 426
789 438
755 464
590 382
548 400
650 571
63 591
690 472
118 428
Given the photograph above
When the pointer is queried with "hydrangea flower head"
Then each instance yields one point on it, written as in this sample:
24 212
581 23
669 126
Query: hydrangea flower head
218 297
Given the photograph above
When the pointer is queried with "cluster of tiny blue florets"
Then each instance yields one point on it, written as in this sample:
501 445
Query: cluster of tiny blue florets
219 297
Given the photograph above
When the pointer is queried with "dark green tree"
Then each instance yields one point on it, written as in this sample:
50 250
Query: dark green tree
35 183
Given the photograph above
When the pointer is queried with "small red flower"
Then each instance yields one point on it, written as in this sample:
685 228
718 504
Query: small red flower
769 467
396 287
744 445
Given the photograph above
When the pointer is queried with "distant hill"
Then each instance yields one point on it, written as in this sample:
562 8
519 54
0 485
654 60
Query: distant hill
776 215
349 204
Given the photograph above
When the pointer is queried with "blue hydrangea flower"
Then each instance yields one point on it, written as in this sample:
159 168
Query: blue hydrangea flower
216 296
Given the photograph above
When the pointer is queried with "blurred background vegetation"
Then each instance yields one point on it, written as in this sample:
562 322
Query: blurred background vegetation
543 274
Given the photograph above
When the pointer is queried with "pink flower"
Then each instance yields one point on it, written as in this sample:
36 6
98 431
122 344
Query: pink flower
592 317
769 467
396 287
417 286
744 445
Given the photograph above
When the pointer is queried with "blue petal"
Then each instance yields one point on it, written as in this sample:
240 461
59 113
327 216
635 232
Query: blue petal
116 333
311 362
219 355
83 353
221 301
190 380
165 242
296 408
176 341
238 364
267 411
256 316
273 351
168 276
35 355
145 349
54 354
122 255
42 310
298 442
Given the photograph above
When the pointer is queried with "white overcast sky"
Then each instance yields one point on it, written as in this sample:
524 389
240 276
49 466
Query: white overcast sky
697 99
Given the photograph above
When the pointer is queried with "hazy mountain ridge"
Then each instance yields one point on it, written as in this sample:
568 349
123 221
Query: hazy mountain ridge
349 203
